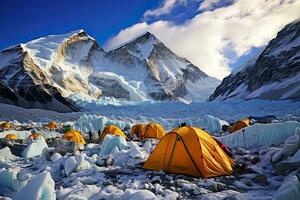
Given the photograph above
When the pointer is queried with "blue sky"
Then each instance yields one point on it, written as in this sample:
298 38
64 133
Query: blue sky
21 21
215 35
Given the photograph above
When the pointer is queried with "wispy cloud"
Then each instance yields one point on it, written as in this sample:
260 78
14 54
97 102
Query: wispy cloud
205 38
208 4
165 8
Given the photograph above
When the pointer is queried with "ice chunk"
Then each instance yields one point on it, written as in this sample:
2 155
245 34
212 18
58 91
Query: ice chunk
290 189
259 135
95 122
6 156
40 187
70 165
112 141
135 151
130 156
35 148
214 124
138 195
9 178
55 157
290 146
82 164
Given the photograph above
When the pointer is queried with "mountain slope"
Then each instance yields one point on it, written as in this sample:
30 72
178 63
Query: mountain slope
49 71
42 72
148 65
274 75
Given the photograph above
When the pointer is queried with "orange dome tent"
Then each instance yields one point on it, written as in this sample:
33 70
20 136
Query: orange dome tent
52 125
111 129
74 136
11 137
190 151
153 130
34 136
5 125
138 130
239 125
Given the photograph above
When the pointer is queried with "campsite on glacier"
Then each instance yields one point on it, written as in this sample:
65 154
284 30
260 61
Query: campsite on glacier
139 117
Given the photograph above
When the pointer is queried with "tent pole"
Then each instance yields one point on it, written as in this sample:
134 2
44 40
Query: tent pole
244 138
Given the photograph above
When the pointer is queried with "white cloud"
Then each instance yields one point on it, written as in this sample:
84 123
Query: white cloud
165 8
208 4
203 39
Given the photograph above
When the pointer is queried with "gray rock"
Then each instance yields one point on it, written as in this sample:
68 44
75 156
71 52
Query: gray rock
255 159
284 168
216 187
109 161
63 146
100 162
260 179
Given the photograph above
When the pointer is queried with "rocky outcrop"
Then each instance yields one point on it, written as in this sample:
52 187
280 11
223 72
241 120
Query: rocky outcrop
274 75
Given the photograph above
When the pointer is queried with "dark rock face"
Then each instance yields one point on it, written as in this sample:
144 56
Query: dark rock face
28 87
278 63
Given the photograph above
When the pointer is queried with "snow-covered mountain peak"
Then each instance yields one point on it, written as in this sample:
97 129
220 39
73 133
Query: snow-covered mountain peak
64 65
159 72
274 74
140 46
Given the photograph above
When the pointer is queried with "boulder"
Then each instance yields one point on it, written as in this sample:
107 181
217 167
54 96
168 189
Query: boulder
260 179
63 146
287 166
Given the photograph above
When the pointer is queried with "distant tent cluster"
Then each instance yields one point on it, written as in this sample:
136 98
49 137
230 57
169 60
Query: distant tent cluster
186 150
52 125
151 130
5 125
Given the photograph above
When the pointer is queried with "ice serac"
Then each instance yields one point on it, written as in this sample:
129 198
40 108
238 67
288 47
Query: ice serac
144 68
40 187
274 74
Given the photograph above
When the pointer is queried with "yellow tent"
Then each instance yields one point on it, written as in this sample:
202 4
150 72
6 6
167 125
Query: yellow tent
11 137
239 125
34 136
138 130
5 125
74 136
52 125
153 130
191 151
111 129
